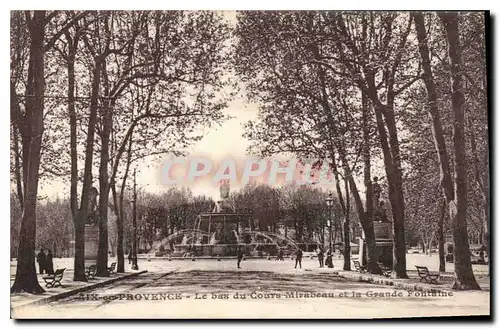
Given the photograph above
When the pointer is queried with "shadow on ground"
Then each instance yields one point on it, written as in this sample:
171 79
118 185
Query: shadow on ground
197 280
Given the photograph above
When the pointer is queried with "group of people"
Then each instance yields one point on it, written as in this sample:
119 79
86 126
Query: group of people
321 257
298 257
45 262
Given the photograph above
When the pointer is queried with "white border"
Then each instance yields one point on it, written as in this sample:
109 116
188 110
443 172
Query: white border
5 321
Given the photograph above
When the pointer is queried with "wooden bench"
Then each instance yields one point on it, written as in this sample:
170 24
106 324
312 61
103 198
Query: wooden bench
112 268
91 271
54 280
425 275
386 271
359 268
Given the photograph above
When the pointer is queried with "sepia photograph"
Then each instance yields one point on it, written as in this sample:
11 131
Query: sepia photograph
258 164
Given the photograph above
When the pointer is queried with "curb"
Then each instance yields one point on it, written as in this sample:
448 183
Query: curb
391 282
65 294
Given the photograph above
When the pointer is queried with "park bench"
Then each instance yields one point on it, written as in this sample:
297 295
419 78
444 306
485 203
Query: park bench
111 269
91 271
425 275
386 271
54 280
359 268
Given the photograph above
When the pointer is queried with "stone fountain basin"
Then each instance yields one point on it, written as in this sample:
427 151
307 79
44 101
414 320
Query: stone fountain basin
253 249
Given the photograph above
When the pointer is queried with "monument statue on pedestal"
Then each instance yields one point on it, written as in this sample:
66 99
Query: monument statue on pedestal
379 211
92 207
376 190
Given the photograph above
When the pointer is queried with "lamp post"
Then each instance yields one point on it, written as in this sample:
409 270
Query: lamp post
134 226
329 203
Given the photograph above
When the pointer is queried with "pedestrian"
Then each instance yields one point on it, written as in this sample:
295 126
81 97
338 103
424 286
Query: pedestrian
240 256
321 256
130 257
298 258
50 264
329 261
41 260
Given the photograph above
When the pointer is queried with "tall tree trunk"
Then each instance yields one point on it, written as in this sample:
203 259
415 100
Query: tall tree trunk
107 121
120 214
87 175
486 205
17 164
366 217
26 279
346 228
392 163
464 277
399 265
397 196
79 261
437 130
389 142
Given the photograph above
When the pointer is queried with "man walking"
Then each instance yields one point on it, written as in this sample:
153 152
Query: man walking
49 263
41 260
321 256
240 256
298 258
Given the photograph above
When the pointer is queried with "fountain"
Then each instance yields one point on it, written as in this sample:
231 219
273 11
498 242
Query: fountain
222 232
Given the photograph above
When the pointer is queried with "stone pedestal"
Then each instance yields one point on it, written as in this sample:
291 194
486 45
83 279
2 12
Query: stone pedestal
383 241
91 244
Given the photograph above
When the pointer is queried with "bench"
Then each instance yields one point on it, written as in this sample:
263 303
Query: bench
386 271
359 268
425 275
112 268
54 280
91 271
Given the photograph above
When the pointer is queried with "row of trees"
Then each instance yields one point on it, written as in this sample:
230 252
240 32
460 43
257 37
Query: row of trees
298 212
361 88
54 231
94 92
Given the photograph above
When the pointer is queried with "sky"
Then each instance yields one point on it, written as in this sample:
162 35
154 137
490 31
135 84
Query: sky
220 141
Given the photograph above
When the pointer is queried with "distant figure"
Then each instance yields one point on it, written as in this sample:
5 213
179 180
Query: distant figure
50 264
41 260
130 257
376 190
280 255
298 258
321 256
329 261
240 257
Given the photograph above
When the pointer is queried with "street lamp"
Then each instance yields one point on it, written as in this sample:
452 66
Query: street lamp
134 225
329 203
